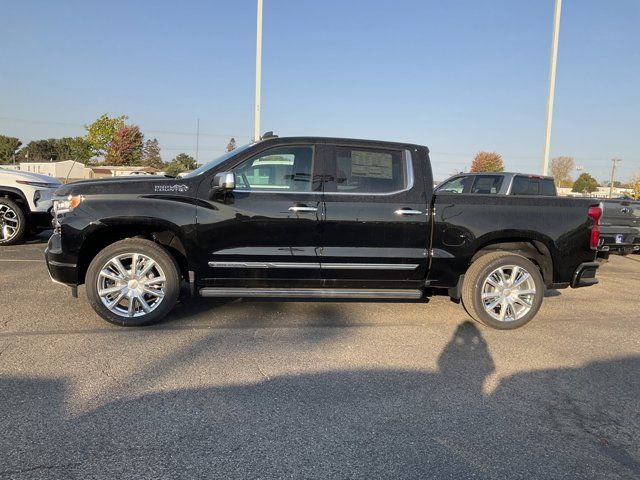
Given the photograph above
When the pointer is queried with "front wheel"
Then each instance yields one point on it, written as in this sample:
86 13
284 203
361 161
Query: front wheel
13 222
133 282
502 290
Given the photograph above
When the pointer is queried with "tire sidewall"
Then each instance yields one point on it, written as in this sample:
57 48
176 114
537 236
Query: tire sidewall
150 249
478 305
22 221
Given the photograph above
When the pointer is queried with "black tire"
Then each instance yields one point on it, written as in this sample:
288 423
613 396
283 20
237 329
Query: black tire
9 207
474 283
167 266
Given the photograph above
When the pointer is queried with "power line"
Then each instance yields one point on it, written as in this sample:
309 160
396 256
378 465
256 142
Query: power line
161 132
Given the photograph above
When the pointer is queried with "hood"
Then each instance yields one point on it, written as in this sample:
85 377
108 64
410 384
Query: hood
22 175
136 184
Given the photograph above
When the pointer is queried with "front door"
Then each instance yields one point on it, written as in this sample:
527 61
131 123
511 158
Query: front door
376 226
266 232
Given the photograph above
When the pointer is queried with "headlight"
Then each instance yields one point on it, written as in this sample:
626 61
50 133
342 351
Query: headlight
66 205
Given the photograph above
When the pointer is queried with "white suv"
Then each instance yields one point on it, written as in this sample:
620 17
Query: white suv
25 204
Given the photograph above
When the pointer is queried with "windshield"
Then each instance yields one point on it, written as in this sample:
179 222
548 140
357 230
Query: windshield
217 161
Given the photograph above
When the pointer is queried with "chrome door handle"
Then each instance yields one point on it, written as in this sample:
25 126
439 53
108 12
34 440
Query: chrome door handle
302 208
407 211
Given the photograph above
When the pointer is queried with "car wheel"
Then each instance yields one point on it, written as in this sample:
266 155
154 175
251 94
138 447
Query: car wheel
13 222
502 290
133 282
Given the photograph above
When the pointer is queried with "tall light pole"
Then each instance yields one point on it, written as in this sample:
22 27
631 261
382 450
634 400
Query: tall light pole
552 84
614 164
256 128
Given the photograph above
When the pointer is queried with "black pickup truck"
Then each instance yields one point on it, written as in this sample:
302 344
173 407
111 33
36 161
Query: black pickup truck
316 218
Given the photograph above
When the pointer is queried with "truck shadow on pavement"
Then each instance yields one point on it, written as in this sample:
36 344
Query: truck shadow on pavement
569 422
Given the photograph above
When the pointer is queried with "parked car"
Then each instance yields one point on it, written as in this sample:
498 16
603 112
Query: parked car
25 204
499 183
619 228
317 218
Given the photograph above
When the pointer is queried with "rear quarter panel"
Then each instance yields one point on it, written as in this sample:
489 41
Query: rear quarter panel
464 224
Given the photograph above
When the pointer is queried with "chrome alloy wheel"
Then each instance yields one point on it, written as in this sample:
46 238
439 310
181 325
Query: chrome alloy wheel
508 293
131 285
9 223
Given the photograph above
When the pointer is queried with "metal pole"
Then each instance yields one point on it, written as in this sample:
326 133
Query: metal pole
197 138
614 162
552 84
256 128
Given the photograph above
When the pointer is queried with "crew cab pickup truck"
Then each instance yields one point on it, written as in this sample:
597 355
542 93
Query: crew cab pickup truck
620 227
312 218
499 183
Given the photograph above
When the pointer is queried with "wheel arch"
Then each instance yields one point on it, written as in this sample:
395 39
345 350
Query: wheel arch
535 249
17 196
165 234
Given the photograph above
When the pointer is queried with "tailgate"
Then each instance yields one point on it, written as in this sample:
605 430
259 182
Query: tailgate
620 213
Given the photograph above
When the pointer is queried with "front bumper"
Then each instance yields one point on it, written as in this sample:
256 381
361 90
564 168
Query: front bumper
585 275
62 268
41 220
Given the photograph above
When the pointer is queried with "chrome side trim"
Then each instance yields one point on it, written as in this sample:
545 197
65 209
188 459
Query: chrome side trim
369 266
310 293
326 266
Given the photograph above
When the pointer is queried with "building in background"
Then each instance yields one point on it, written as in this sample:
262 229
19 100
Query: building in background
66 170
70 171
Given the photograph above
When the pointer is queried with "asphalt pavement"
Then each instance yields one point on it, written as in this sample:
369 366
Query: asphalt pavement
237 389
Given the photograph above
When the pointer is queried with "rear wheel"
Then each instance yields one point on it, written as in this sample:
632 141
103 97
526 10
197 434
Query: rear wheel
502 290
133 282
13 222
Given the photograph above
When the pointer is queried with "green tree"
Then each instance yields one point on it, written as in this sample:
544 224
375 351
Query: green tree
74 148
8 148
151 154
39 151
181 163
635 185
125 148
487 162
101 132
231 145
585 183
561 170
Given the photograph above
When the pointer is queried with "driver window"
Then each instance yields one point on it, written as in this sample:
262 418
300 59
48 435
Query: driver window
456 185
280 169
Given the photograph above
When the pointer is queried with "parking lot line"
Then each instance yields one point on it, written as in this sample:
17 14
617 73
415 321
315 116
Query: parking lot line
20 260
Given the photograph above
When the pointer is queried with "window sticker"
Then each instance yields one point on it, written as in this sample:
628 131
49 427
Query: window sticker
371 164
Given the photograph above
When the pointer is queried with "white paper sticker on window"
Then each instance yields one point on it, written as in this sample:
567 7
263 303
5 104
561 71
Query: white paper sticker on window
371 164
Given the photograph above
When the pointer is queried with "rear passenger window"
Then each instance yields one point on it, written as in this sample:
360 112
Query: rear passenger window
486 184
361 170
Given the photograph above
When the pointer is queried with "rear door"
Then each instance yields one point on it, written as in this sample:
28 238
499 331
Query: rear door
376 220
266 232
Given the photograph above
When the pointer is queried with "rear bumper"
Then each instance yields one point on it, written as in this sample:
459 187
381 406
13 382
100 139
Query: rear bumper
585 275
619 238
62 268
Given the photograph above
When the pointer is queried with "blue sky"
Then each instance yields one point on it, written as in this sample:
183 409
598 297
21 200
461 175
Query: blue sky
458 76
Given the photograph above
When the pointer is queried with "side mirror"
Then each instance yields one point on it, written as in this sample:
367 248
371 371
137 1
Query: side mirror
224 181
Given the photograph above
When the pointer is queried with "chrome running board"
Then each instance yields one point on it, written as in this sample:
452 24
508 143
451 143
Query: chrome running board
310 293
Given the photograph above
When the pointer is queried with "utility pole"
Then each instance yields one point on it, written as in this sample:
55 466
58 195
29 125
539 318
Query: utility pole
197 138
552 84
614 164
256 128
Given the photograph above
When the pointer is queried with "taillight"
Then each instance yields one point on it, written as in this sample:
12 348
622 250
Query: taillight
595 213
